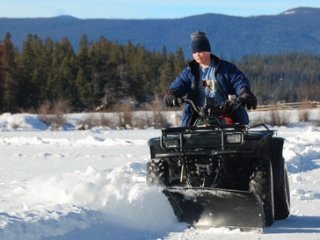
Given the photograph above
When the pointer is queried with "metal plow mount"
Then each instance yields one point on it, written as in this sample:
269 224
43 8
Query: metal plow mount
207 207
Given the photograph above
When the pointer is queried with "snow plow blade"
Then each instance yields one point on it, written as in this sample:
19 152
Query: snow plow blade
207 207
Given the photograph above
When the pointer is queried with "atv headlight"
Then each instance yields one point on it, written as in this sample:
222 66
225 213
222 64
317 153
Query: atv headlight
171 143
235 138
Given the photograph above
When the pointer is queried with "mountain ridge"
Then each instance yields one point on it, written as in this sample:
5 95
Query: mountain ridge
231 37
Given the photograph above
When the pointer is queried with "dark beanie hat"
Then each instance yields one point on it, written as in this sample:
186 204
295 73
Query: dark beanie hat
199 42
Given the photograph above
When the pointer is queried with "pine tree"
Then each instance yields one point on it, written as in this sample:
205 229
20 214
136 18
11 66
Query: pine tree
61 80
83 79
7 75
2 87
167 74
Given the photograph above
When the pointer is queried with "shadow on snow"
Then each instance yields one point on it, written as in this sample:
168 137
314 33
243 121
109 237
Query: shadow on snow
296 224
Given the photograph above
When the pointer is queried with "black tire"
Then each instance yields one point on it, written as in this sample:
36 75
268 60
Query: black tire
157 172
280 181
262 186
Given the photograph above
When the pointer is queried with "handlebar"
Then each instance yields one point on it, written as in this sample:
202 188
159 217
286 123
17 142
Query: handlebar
224 108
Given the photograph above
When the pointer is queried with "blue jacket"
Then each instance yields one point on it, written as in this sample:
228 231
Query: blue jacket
229 78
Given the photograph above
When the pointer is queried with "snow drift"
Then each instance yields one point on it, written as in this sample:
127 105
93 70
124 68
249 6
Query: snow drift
91 185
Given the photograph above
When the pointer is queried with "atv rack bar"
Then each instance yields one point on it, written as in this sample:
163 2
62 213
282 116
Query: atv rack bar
177 138
204 153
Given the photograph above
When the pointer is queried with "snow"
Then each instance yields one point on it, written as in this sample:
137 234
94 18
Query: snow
290 12
90 184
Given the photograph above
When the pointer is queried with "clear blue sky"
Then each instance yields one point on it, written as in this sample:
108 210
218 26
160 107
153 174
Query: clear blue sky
141 9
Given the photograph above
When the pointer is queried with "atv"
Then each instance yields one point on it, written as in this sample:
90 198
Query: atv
217 173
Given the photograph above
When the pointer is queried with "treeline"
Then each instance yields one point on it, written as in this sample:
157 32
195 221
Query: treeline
287 78
100 72
106 73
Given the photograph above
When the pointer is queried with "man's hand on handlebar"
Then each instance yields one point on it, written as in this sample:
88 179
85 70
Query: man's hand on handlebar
171 100
248 99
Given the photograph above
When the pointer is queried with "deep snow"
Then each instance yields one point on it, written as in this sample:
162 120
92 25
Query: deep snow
91 185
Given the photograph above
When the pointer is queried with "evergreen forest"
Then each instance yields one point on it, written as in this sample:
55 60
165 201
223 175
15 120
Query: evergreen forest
106 73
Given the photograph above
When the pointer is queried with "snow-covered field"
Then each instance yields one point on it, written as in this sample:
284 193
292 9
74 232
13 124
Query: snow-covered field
91 185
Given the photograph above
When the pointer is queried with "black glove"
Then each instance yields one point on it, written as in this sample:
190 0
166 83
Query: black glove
248 98
170 100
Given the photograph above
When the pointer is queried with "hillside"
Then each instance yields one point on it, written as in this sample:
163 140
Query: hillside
231 37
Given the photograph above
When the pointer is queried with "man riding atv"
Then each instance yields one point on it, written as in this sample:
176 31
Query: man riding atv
209 80
215 173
